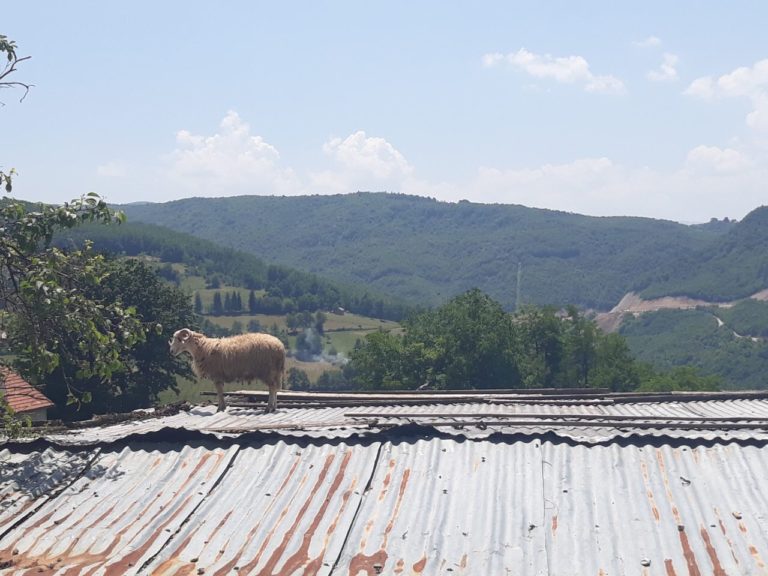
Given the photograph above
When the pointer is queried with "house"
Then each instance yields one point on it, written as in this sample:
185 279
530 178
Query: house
436 483
24 399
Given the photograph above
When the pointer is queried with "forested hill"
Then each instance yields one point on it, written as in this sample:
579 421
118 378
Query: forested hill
425 251
732 266
283 289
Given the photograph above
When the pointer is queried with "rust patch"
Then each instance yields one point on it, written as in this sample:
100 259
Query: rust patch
669 567
649 492
756 556
301 556
554 524
742 527
725 534
373 564
463 563
690 558
418 567
280 548
387 480
229 566
665 479
716 566
400 566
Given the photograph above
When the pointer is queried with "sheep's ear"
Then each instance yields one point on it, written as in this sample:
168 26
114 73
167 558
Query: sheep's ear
184 334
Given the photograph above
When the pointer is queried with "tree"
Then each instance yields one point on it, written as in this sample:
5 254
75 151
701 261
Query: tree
320 319
297 379
680 378
540 353
616 368
8 47
53 314
198 303
375 361
148 367
12 60
580 336
218 307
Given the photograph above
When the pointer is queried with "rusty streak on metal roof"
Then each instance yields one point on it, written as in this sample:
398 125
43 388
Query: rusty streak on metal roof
196 493
430 506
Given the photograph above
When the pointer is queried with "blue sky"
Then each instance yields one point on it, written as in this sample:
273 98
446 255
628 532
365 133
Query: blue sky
655 109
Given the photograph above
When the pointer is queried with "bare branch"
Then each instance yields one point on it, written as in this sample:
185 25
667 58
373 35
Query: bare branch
9 69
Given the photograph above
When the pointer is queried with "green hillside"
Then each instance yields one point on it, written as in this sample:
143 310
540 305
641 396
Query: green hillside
728 267
281 289
425 251
733 349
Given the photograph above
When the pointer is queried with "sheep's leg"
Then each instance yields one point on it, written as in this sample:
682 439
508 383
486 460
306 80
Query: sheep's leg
272 402
220 393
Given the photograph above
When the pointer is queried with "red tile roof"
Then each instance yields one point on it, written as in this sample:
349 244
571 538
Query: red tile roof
20 394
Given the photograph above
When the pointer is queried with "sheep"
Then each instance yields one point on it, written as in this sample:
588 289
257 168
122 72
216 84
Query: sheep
241 358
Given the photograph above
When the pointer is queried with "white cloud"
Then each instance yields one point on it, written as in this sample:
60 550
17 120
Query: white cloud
563 69
650 42
666 71
712 158
112 169
703 87
362 162
492 59
743 82
712 182
229 162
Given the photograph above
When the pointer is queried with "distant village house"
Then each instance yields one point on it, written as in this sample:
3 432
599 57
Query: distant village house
23 398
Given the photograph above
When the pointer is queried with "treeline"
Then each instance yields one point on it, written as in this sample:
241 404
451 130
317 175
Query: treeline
286 289
472 343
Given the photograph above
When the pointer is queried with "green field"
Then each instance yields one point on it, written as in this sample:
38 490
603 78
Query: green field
341 330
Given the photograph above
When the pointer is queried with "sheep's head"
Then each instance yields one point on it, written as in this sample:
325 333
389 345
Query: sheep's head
179 342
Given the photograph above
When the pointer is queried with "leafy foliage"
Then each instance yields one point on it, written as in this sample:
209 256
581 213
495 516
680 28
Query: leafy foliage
680 378
471 343
90 330
8 47
147 367
669 339
52 318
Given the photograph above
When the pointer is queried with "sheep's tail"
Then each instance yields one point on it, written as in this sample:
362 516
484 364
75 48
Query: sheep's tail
282 364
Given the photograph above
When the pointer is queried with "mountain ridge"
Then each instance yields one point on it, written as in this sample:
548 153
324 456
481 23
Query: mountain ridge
425 251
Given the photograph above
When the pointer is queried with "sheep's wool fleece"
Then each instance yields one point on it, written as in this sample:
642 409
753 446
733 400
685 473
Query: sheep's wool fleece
243 358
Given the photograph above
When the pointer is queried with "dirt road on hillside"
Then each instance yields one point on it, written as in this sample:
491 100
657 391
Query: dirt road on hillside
633 304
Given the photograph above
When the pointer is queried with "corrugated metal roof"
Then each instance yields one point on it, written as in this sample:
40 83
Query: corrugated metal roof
742 419
28 480
119 513
282 509
20 395
429 506
450 488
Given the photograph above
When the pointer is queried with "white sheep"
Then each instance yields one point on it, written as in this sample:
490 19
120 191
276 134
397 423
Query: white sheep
242 358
